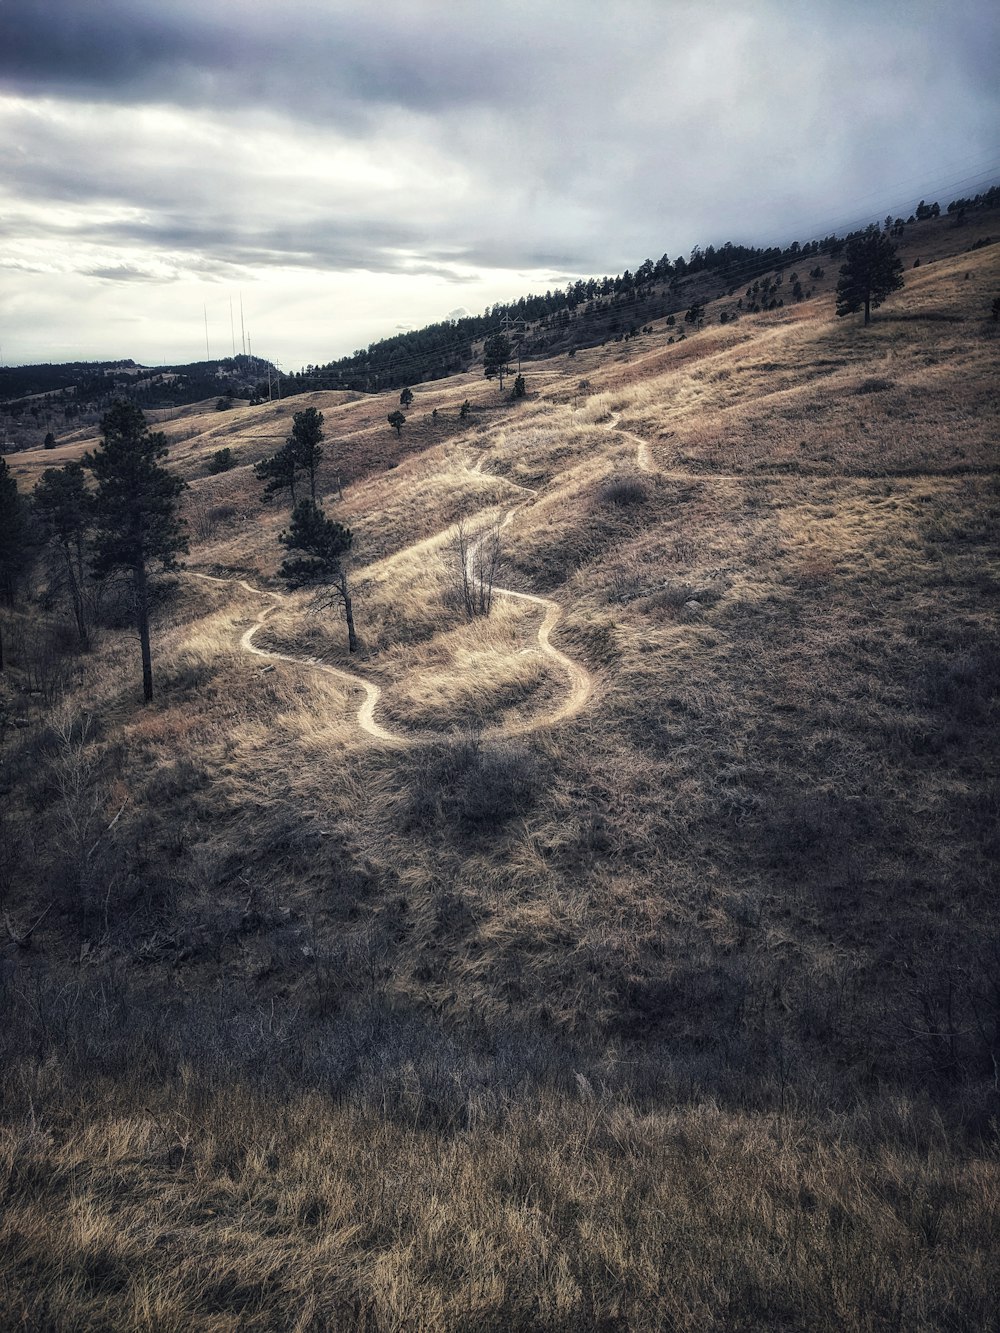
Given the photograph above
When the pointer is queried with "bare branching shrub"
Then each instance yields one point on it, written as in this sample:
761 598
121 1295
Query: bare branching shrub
203 520
43 655
477 562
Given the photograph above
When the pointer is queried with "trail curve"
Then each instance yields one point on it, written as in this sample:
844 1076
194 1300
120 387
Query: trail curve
372 692
581 683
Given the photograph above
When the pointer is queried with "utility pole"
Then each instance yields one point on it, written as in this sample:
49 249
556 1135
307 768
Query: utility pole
516 327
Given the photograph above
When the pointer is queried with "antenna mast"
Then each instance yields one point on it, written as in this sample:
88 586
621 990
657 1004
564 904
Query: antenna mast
208 354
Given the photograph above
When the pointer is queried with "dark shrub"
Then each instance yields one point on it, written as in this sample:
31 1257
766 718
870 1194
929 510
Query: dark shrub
474 785
221 461
626 492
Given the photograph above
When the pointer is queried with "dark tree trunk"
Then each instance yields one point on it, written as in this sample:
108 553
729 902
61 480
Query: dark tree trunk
352 638
142 623
76 597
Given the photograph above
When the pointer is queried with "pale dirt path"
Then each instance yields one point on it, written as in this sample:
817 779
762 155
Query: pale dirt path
644 457
581 683
366 713
644 460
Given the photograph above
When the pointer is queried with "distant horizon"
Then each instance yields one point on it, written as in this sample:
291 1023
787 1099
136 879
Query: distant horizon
969 185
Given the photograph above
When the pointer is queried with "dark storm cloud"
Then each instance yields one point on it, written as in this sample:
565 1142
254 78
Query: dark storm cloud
309 62
124 273
573 97
446 140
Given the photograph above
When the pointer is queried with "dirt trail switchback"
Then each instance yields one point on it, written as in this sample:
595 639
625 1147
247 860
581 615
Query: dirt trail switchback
581 682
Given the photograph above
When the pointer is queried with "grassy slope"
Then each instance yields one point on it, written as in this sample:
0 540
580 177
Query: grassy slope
682 1014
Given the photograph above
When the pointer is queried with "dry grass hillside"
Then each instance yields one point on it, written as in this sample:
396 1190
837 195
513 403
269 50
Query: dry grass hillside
643 969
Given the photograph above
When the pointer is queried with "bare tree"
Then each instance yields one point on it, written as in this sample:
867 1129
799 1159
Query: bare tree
477 563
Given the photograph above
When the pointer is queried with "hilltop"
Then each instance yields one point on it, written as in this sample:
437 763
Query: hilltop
650 983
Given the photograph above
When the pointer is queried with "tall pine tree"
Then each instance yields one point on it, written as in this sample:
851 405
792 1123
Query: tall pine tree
307 432
322 544
871 271
14 549
65 507
135 513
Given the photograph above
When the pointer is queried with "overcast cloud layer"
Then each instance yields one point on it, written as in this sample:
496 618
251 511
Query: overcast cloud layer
351 171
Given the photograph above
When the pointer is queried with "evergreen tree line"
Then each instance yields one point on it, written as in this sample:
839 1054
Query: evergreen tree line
445 348
121 521
83 388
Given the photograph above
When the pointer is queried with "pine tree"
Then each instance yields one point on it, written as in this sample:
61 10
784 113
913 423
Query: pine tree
301 452
497 352
871 271
279 472
65 508
323 544
135 512
304 442
14 548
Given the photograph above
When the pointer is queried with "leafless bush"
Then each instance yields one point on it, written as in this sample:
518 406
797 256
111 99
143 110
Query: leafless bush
203 519
477 563
41 651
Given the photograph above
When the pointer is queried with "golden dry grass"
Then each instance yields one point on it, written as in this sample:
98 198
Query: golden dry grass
205 1211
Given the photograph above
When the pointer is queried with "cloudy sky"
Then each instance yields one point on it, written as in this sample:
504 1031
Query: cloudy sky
352 168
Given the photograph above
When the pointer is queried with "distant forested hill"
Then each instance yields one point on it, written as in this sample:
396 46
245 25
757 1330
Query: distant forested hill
39 400
588 313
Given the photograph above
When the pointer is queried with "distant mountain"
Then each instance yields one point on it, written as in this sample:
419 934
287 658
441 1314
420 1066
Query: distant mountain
42 399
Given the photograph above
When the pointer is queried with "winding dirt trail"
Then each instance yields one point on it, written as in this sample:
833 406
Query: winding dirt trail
644 457
644 460
366 713
581 682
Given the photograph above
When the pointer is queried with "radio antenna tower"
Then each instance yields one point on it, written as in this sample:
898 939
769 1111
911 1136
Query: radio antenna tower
208 354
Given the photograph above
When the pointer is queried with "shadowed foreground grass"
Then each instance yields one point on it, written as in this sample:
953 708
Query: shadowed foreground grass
181 1207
